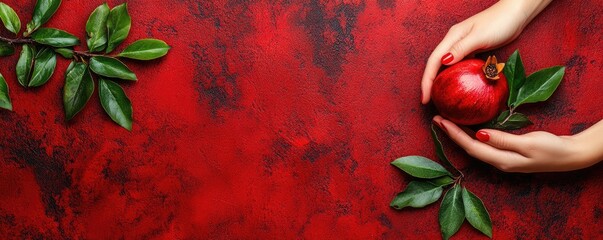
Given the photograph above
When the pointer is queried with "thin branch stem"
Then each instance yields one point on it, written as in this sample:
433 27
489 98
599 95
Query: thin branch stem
86 54
511 111
17 40
77 54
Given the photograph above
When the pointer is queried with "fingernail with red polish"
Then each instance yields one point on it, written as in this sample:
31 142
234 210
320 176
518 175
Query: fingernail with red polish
482 136
421 97
435 122
447 58
440 125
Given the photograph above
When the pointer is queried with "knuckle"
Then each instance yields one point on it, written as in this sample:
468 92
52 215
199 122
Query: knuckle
503 167
454 28
458 47
471 149
530 146
514 164
507 167
504 142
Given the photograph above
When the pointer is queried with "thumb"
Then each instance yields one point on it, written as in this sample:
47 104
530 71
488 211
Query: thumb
461 49
501 140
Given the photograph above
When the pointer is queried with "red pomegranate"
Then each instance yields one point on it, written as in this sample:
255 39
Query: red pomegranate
471 91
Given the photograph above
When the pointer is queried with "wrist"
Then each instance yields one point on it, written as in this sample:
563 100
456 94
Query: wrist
526 9
582 152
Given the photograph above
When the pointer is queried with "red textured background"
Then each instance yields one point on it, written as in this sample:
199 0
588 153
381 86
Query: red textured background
278 120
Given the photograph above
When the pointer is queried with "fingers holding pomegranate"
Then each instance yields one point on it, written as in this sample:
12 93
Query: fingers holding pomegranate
531 152
485 30
440 55
502 159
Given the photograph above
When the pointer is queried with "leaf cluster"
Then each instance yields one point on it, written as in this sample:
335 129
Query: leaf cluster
432 181
106 29
537 87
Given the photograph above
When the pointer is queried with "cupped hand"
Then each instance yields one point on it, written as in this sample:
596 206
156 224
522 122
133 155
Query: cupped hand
531 152
491 28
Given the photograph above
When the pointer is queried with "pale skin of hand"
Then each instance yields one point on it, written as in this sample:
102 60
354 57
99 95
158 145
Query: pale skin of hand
496 26
531 152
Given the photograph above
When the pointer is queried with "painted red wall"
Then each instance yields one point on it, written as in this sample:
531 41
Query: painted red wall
278 120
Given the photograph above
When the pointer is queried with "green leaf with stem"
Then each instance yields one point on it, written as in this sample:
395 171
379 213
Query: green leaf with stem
96 28
78 88
145 49
516 76
420 167
45 63
65 52
452 212
118 26
25 64
540 85
6 49
4 97
476 213
442 181
111 67
10 19
417 195
42 13
55 37
508 121
116 103
440 150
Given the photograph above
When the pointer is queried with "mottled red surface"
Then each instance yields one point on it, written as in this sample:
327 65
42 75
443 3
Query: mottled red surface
278 120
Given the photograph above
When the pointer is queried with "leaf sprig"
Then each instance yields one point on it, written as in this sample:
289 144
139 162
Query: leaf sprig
537 87
457 204
106 29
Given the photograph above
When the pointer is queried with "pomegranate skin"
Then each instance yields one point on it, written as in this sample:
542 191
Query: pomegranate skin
463 94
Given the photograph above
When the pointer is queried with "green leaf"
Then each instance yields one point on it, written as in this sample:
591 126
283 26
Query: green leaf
96 28
503 116
42 13
9 18
111 67
439 149
25 64
65 52
118 26
420 167
145 49
44 64
452 212
55 37
442 181
476 213
6 49
417 195
4 97
540 85
77 90
506 122
116 103
516 76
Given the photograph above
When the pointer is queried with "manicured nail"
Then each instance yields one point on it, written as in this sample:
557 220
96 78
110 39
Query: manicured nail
440 125
482 136
447 58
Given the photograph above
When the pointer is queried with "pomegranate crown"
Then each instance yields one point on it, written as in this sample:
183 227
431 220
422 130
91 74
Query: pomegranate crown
492 68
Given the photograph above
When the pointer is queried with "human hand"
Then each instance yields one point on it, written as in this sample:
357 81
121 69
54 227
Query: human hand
491 28
531 152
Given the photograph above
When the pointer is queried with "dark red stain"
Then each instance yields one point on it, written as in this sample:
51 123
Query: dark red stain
278 120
